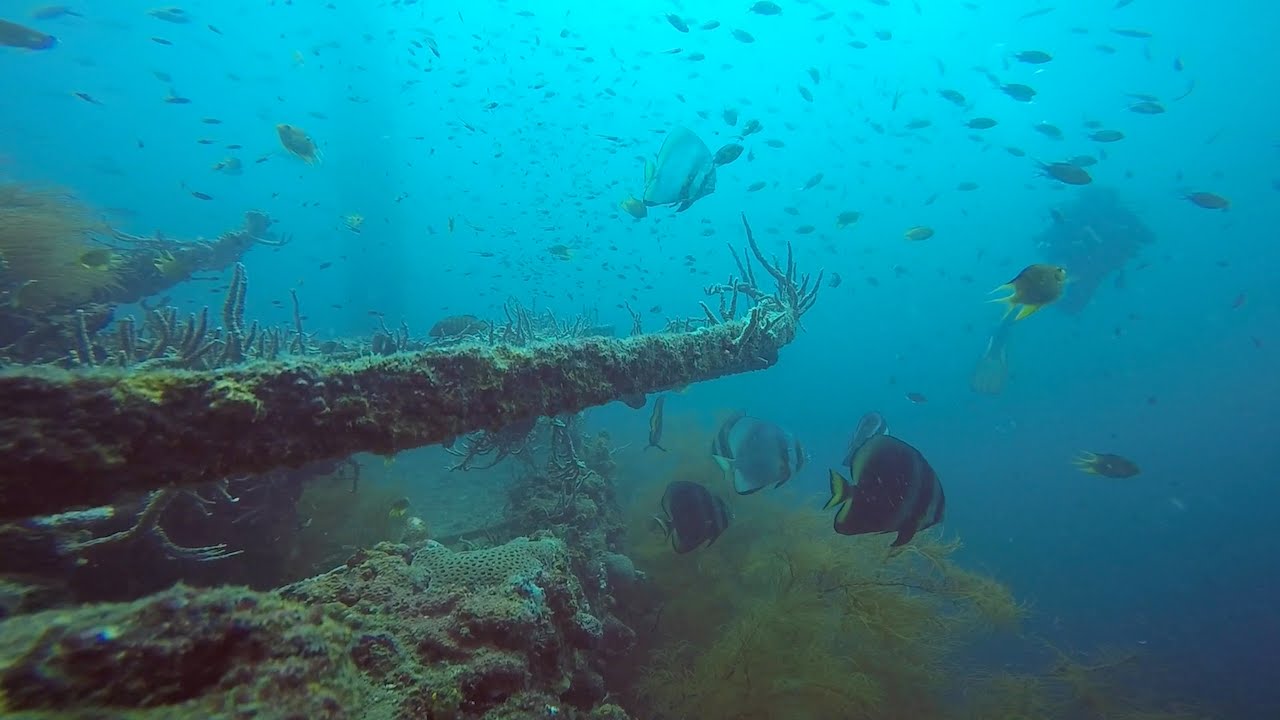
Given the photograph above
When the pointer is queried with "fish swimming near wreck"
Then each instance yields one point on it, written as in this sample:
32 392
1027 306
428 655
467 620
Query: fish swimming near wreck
727 154
893 489
683 172
21 36
869 425
691 516
399 508
655 424
1107 465
1033 288
754 454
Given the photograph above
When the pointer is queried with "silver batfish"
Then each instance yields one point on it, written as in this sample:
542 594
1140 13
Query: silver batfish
684 171
754 454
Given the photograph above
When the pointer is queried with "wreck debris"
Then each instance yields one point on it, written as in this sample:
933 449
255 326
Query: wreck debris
391 629
55 264
73 439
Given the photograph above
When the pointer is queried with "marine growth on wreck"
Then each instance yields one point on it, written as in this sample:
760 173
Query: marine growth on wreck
504 361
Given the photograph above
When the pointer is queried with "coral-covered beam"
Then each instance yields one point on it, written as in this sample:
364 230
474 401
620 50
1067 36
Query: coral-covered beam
72 439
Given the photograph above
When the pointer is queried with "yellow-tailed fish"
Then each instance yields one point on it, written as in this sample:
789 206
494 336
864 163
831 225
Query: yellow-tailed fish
1033 288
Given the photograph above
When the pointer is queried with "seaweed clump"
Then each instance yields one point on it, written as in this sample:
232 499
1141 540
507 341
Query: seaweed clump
779 618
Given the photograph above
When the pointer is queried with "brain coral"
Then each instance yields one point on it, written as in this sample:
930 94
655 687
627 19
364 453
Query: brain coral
492 566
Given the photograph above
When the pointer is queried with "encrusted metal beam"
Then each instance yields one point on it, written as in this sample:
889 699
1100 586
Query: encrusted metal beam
80 438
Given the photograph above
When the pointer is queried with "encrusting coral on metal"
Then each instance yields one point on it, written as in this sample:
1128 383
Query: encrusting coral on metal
79 438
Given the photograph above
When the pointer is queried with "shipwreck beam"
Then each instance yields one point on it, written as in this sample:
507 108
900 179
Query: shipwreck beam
81 438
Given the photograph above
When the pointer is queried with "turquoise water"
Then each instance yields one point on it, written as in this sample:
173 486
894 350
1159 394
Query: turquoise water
469 167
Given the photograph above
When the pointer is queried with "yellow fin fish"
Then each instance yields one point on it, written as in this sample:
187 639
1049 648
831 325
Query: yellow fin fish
1107 465
1033 288
634 207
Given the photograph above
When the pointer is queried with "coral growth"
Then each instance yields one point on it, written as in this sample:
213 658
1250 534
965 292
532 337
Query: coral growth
48 257
62 276
74 441
300 411
460 634
218 653
571 495
396 633
520 558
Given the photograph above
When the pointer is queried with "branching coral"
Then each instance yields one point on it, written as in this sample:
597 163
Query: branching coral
147 528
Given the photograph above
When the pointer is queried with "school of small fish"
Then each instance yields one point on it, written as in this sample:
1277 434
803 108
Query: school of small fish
604 82
629 123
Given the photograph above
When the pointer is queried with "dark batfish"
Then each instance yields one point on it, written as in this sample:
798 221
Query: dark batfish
655 424
691 516
754 453
894 489
869 425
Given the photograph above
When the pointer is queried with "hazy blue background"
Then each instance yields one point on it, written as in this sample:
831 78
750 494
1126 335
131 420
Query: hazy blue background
1181 558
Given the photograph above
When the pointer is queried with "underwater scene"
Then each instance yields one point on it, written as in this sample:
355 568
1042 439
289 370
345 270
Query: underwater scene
666 360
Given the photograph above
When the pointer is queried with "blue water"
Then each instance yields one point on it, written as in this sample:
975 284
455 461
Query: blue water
503 135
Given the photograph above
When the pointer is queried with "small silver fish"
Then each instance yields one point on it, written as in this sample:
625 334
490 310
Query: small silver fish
754 453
